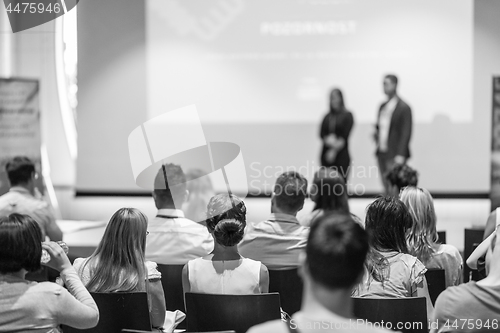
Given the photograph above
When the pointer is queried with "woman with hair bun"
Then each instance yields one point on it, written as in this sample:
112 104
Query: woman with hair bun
225 271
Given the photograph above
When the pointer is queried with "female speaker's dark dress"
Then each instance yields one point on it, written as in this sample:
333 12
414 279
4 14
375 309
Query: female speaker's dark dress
339 123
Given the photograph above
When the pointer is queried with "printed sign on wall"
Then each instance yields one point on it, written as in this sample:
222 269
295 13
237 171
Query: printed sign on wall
495 145
19 124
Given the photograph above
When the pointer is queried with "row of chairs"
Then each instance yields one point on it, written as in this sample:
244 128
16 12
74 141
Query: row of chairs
239 312
285 291
212 313
285 282
286 285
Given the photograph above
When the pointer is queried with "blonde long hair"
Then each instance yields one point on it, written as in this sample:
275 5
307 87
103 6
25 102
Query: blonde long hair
118 262
422 237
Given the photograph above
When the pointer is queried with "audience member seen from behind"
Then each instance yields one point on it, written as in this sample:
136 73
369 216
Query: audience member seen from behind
493 220
398 177
477 258
478 262
423 237
24 198
118 264
329 194
174 239
225 271
31 306
278 241
333 263
477 301
390 270
200 190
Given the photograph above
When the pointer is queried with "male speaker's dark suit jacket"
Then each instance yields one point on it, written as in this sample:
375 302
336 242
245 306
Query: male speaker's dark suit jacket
398 141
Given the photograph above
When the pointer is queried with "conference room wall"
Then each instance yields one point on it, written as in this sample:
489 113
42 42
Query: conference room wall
444 152
486 65
112 89
33 57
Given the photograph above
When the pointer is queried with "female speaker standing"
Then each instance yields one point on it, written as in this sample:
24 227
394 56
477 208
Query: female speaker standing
334 133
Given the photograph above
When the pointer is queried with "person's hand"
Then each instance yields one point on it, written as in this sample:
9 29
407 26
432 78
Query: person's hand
330 155
399 159
330 140
58 259
37 194
339 144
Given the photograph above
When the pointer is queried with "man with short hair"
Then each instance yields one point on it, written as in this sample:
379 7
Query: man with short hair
174 239
332 264
398 177
393 129
24 198
278 241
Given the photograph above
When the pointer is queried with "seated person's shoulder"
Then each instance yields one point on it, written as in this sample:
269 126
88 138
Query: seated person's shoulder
152 270
46 289
35 203
194 225
410 260
251 226
448 249
78 263
307 219
412 266
40 204
455 295
270 326
252 262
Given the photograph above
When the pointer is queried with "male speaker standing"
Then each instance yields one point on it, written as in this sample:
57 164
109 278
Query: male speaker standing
393 129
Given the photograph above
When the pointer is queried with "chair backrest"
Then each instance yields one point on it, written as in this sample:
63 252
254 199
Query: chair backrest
411 312
171 280
80 252
442 237
211 312
118 311
471 236
289 285
436 282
